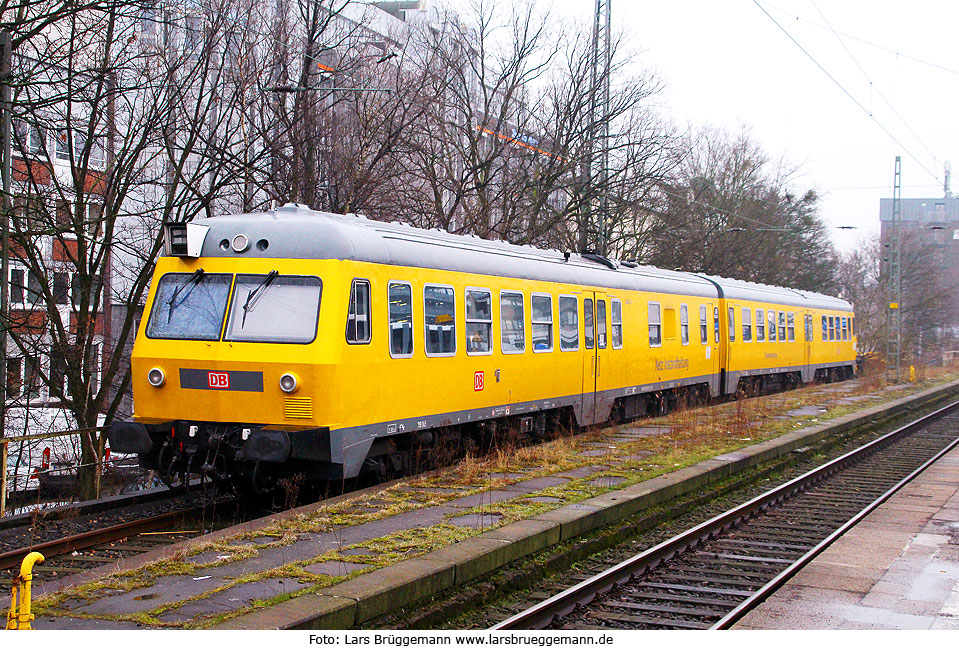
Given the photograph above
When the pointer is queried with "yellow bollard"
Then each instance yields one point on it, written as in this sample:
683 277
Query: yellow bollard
19 617
912 373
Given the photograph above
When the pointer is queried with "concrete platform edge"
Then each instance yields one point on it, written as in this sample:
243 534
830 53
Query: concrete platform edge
358 600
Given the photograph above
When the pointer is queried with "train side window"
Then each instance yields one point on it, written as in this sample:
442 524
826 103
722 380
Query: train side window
512 323
616 321
771 316
716 324
439 320
791 326
600 324
825 329
541 316
479 322
568 323
760 325
747 324
358 329
832 329
852 332
400 296
731 315
588 323
807 322
684 324
845 328
703 326
655 325
782 326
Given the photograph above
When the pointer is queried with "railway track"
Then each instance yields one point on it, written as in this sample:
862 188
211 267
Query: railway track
108 545
711 575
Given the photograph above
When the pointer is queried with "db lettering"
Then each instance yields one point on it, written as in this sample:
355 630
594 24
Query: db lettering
219 380
478 381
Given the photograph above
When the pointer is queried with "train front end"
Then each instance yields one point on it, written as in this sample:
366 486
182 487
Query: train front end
231 369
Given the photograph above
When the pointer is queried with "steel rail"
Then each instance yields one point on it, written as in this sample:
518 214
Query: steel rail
96 537
542 614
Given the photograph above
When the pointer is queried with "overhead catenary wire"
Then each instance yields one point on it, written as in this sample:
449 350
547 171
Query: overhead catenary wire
873 86
846 92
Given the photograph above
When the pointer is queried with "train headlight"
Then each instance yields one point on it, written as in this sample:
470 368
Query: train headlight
241 243
156 377
288 382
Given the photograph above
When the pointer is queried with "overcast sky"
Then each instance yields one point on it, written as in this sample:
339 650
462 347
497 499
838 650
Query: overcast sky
724 62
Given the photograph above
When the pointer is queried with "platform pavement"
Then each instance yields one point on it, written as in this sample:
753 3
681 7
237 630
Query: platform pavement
896 569
192 598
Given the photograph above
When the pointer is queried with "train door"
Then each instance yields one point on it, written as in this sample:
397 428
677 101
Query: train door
712 347
596 321
807 370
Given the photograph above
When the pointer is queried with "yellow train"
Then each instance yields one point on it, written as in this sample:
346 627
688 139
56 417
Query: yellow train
331 345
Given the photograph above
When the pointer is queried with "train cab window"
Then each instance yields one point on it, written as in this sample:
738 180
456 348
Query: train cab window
791 326
272 308
541 316
616 321
731 315
358 329
716 324
479 322
760 325
825 330
588 323
747 324
703 326
655 325
600 323
512 323
439 319
568 323
771 332
400 297
782 326
189 306
684 324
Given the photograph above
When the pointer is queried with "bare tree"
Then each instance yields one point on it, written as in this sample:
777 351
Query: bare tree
123 121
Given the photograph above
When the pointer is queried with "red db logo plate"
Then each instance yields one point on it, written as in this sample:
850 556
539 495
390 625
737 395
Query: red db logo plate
478 381
218 380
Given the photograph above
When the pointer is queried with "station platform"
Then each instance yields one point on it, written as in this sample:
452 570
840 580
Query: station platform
342 563
896 569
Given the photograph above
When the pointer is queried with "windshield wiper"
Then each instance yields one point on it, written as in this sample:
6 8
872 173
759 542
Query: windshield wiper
192 282
254 295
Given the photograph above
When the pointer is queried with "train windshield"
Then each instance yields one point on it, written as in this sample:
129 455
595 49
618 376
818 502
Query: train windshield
189 306
271 308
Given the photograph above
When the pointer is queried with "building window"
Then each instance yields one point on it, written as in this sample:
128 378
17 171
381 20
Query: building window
568 323
616 322
747 324
401 319
439 319
684 324
61 288
760 325
479 321
655 325
358 330
512 322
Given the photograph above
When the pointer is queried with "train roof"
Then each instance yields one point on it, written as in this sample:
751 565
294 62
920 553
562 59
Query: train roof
294 231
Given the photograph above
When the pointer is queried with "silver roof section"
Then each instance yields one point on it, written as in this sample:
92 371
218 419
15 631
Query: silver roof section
297 232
